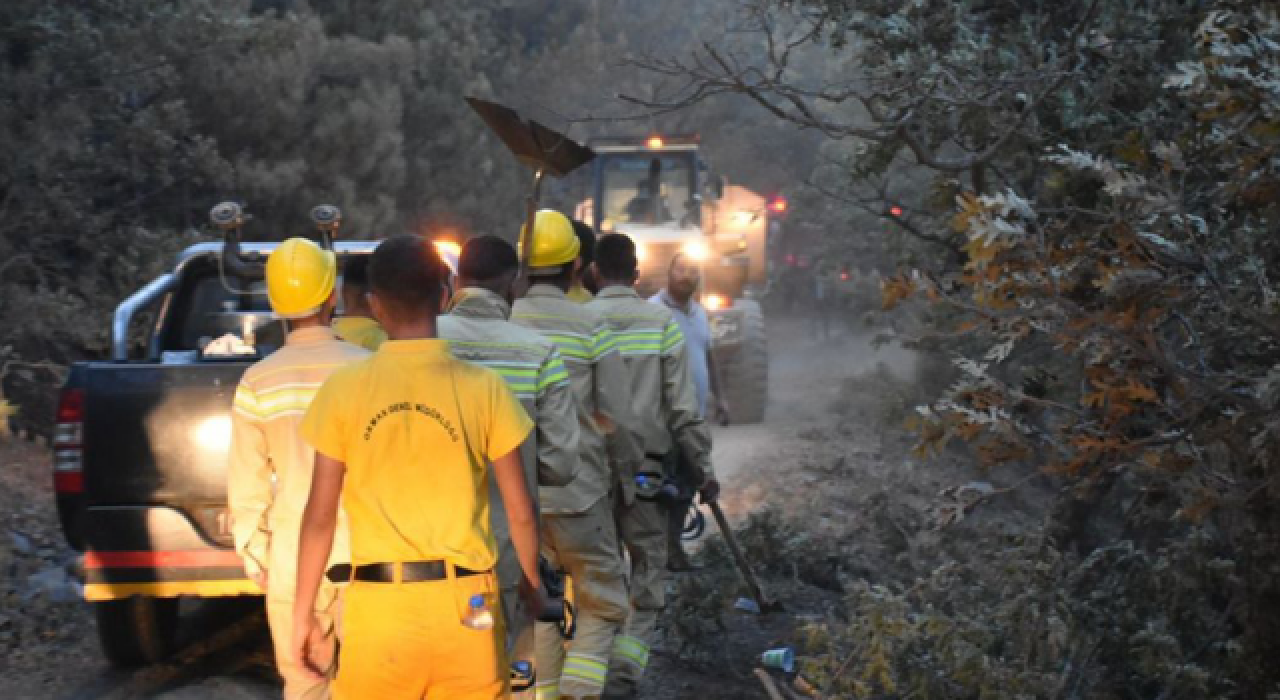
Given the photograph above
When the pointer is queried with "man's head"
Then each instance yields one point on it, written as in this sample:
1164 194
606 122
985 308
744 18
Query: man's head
616 260
586 255
490 263
683 276
300 281
355 286
408 282
555 250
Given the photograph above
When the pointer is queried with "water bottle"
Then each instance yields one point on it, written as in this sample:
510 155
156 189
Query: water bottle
479 616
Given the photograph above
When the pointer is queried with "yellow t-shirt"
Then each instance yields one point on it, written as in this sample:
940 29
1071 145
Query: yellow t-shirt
358 330
579 294
417 429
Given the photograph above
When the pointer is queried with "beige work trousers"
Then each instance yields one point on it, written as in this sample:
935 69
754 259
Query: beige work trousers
520 630
298 684
643 528
585 546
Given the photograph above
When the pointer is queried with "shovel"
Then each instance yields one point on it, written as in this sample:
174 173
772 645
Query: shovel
544 150
757 593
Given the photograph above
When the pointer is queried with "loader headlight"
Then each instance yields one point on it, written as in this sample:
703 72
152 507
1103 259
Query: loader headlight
696 251
715 302
642 252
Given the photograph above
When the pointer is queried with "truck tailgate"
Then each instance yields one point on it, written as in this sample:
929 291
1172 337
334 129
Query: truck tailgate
157 433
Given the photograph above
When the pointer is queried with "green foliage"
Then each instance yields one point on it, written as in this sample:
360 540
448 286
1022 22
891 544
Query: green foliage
1104 276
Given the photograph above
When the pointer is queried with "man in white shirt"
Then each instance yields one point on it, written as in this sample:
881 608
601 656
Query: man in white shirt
683 278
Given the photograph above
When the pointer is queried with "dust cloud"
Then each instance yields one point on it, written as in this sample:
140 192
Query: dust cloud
807 374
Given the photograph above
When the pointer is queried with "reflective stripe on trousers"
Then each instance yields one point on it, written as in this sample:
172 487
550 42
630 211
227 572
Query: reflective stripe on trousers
631 651
584 671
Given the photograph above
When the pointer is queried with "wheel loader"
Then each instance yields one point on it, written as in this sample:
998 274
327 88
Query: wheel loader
661 193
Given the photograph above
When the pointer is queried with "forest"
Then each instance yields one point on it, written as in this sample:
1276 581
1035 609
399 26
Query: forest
1071 207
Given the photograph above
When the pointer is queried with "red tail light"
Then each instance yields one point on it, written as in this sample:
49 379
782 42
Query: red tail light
68 443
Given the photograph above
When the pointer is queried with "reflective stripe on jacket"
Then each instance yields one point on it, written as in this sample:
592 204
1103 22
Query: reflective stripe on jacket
663 399
600 384
270 466
478 331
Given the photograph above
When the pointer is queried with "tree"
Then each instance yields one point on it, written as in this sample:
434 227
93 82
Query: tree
1104 174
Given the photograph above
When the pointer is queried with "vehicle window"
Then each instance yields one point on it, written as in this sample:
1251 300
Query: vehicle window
204 310
629 186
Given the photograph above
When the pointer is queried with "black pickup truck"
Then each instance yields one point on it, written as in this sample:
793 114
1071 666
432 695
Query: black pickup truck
141 445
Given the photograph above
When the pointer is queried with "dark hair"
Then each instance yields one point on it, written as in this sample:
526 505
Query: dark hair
586 239
355 273
561 278
487 259
407 274
616 257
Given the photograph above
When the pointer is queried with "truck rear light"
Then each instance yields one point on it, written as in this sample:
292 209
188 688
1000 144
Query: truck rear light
68 443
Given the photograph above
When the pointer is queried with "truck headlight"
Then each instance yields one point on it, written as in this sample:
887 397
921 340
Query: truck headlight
214 433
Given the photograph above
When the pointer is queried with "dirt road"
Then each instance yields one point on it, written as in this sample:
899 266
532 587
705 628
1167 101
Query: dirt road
806 376
49 649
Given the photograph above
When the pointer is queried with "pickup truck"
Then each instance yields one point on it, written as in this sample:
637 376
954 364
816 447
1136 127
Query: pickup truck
141 443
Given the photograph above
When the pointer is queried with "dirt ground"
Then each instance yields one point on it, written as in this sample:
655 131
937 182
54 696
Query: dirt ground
818 460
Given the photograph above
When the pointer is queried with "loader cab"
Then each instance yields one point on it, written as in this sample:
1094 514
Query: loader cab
650 188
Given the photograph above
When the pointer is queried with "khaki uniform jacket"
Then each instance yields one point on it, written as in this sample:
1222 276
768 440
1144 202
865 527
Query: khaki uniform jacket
478 331
358 330
663 399
600 384
270 466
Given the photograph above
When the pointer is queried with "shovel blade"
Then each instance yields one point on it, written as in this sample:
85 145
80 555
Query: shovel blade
533 144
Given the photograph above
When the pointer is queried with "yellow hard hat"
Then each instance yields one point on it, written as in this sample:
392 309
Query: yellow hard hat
554 242
300 278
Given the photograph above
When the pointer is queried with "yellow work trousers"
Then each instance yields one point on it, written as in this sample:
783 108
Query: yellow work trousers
585 546
406 641
643 528
298 684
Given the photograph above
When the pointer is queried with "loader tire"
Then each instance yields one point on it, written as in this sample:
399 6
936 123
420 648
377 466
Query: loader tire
137 631
746 374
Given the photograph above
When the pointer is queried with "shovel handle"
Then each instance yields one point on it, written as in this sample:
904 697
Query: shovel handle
530 215
738 558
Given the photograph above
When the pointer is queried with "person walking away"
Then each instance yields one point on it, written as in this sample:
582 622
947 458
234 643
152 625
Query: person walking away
577 519
405 439
357 325
269 468
479 330
665 406
583 288
683 278
821 303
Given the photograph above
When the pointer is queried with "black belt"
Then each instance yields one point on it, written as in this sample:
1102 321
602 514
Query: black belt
385 572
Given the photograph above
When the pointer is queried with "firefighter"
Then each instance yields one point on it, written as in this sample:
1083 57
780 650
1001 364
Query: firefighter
478 330
583 288
683 278
357 325
577 519
269 471
665 406
405 438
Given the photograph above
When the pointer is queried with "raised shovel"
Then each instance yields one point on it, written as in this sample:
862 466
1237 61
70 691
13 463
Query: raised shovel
544 150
